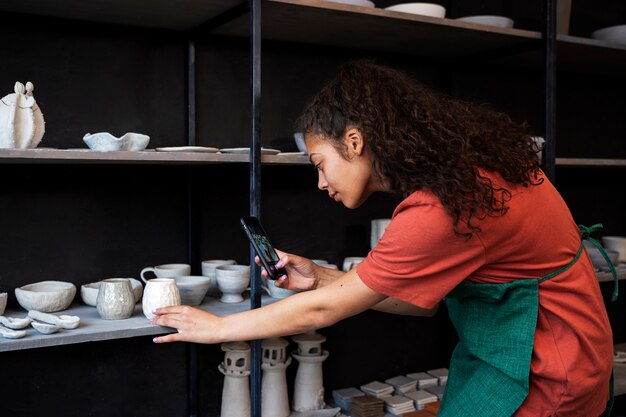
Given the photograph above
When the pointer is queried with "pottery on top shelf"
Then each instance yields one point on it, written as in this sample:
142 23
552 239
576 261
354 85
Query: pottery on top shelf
46 296
21 121
611 34
489 20
3 302
423 9
106 142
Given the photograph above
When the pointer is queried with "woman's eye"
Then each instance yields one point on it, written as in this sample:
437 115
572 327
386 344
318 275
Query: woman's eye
318 167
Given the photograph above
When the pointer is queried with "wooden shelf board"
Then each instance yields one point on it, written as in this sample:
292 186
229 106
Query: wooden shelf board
166 14
590 162
92 328
78 156
334 24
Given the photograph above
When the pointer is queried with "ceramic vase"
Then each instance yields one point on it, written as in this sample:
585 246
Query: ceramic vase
236 369
21 121
116 300
308 391
208 270
159 292
275 399
232 280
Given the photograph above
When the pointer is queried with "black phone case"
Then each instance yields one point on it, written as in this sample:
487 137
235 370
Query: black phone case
272 271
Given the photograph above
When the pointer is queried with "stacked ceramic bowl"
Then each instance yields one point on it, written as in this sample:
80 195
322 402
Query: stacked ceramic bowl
489 20
612 34
422 9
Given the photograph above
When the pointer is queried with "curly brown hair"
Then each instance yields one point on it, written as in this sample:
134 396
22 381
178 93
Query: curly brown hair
421 139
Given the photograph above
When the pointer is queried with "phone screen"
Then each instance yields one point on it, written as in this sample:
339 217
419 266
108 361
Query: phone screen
262 246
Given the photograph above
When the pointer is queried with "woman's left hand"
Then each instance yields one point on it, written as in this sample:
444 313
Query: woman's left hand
193 325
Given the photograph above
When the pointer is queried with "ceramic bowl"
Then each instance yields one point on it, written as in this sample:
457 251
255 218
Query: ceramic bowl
497 21
232 280
362 3
3 302
277 292
208 270
617 244
611 34
596 257
424 9
106 142
192 289
350 262
46 296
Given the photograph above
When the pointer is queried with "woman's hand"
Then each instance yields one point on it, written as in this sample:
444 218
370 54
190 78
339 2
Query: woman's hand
193 325
301 272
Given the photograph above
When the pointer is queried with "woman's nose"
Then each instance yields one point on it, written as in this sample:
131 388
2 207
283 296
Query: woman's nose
321 182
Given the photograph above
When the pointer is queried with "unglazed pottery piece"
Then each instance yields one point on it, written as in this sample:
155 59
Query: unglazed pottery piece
45 328
106 142
201 149
277 292
309 387
159 292
192 289
46 296
377 229
489 20
15 323
208 270
236 369
21 121
167 271
616 244
65 321
275 399
232 280
611 34
116 300
12 334
423 9
89 293
264 151
3 302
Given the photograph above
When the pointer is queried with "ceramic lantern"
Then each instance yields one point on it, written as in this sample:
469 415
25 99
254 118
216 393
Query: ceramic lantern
309 387
21 120
275 400
236 369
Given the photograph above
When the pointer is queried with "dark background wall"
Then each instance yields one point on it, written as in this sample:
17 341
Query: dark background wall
83 223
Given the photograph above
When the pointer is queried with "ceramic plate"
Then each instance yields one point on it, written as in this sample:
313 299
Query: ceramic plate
264 151
362 3
187 149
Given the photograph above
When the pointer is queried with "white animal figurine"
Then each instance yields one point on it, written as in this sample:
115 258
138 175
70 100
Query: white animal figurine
21 120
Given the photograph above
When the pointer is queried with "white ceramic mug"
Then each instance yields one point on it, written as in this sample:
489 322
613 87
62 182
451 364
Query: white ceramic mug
116 300
167 271
159 292
208 270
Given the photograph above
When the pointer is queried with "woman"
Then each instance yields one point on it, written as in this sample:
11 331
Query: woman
480 225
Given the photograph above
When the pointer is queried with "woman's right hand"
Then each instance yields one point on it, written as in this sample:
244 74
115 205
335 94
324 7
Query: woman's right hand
301 272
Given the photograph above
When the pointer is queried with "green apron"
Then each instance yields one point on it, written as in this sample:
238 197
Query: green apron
490 366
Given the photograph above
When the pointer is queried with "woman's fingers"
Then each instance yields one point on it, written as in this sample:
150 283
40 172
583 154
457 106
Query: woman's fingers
174 337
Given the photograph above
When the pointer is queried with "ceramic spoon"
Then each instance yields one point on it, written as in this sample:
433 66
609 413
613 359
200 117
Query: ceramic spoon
15 323
11 334
45 328
66 322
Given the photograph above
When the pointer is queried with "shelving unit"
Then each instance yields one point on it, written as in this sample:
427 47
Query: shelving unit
286 22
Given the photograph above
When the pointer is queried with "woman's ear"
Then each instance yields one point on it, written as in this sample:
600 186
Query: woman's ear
354 141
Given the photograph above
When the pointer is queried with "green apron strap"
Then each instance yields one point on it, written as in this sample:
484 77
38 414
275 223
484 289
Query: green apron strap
586 235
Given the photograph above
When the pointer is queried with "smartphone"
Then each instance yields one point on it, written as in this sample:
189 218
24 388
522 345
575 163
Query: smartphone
262 246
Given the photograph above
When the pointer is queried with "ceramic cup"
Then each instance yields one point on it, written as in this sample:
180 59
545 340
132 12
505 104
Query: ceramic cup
208 270
3 302
616 244
159 292
116 300
377 230
232 280
192 289
167 271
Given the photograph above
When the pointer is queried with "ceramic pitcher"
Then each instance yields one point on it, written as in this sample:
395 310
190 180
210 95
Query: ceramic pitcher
115 300
159 292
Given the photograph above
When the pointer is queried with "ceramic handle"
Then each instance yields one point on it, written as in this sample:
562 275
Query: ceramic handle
148 269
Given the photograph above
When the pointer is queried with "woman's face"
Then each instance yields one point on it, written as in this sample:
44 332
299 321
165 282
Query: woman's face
348 180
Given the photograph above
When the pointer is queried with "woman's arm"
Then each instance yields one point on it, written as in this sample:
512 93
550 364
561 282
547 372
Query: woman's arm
344 297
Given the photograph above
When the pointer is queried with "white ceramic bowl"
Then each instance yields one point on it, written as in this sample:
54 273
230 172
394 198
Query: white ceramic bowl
232 280
617 244
3 302
424 9
277 292
611 34
298 137
497 21
192 289
46 296
106 142
596 257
